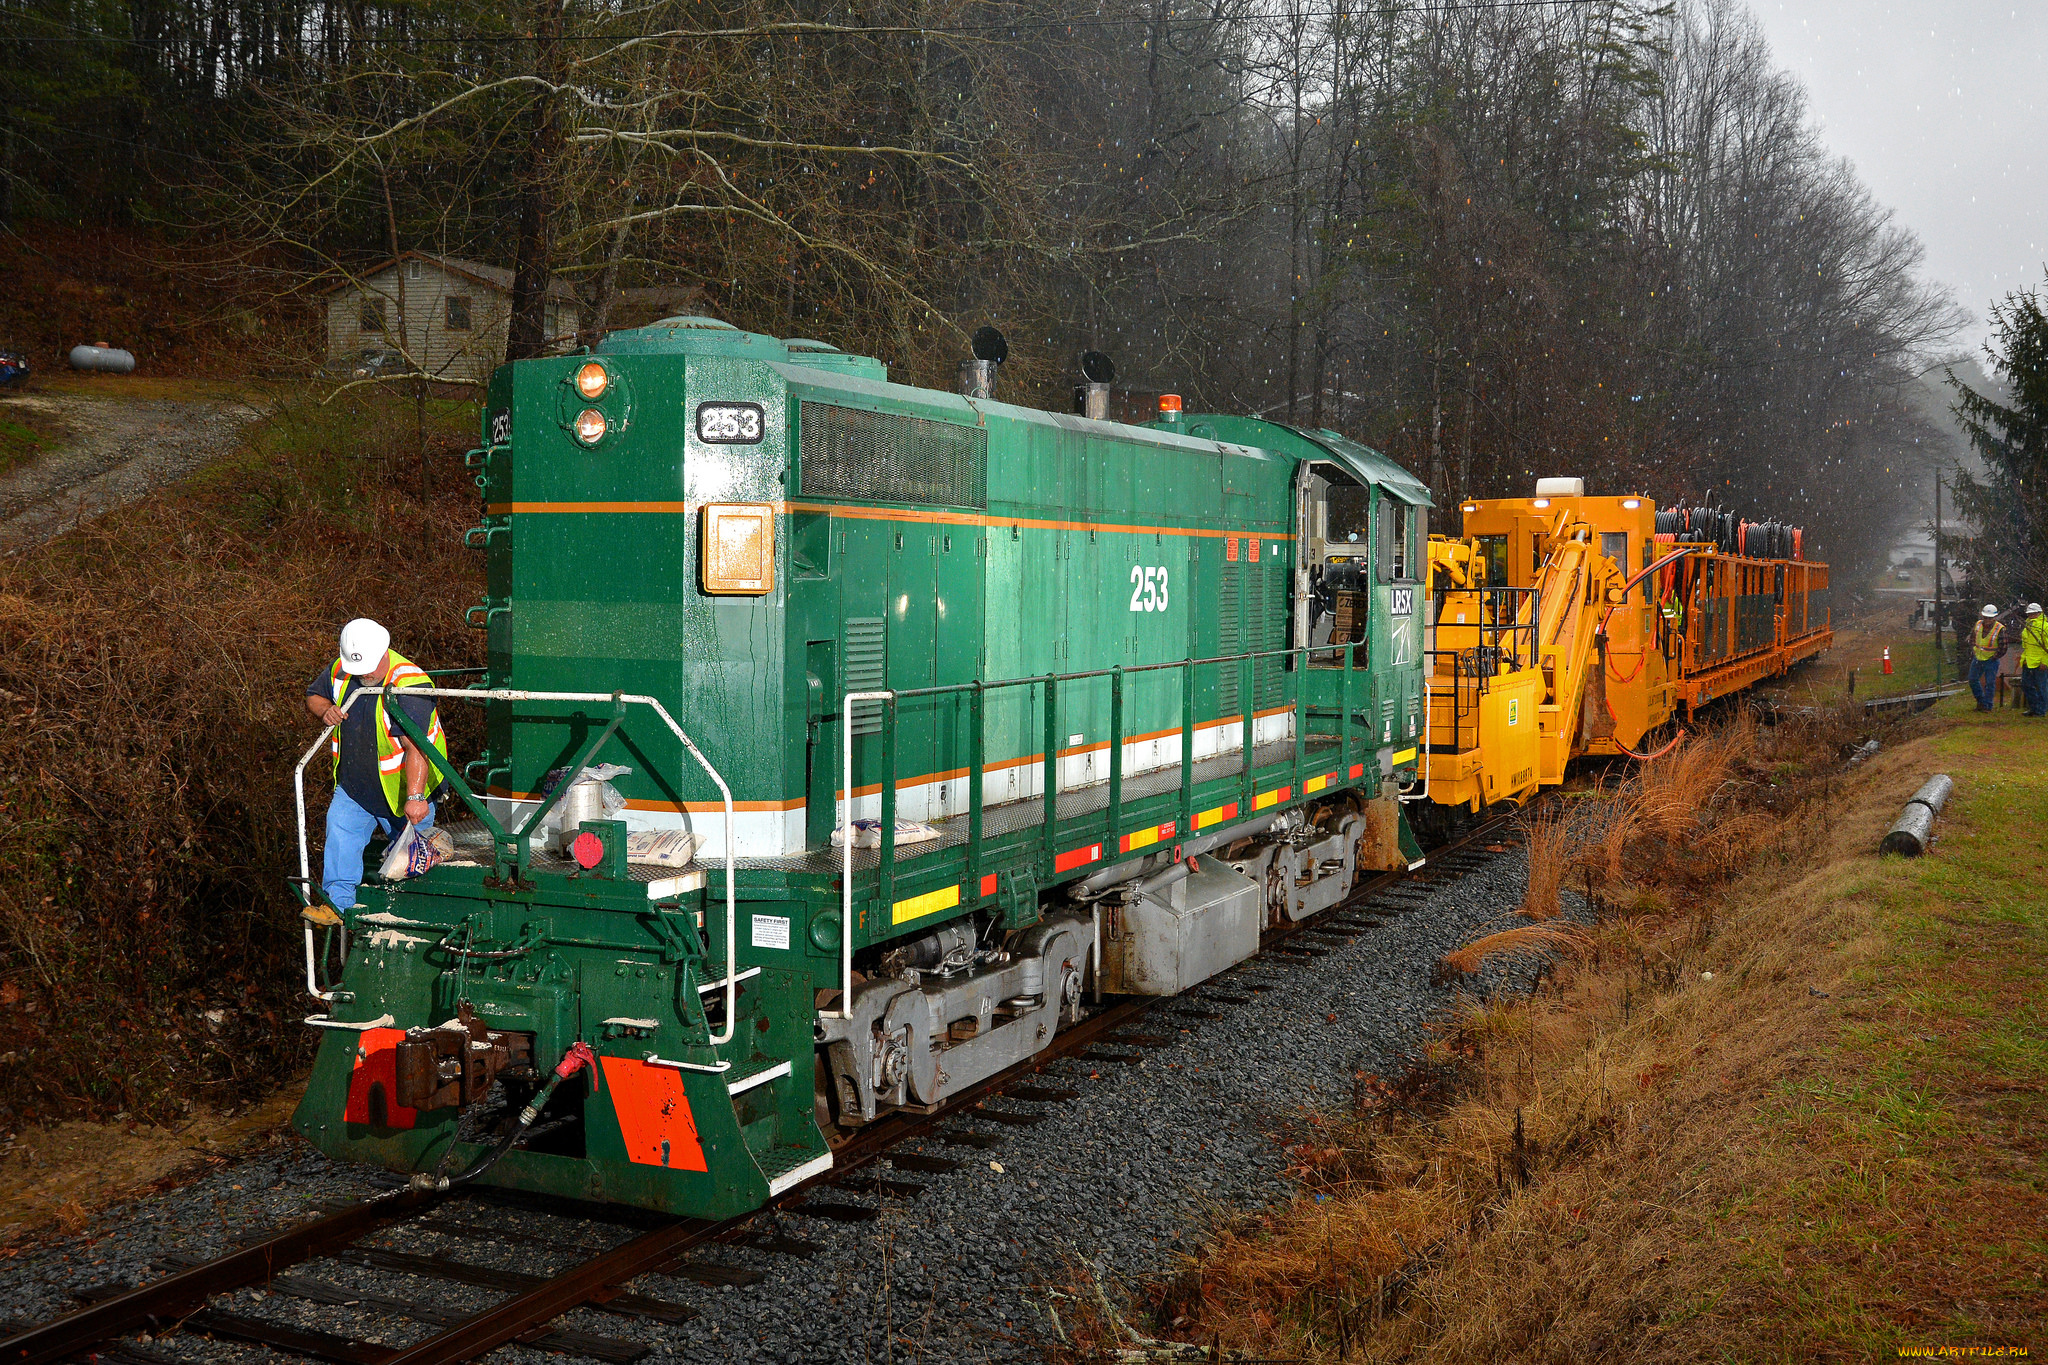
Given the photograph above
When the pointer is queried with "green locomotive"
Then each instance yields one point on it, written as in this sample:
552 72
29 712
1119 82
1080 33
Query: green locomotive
1107 700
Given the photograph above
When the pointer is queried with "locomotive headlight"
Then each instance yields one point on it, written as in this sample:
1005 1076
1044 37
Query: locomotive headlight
1631 503
592 381
1540 502
590 426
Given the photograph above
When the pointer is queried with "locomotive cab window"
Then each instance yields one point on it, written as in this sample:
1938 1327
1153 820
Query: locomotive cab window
1402 536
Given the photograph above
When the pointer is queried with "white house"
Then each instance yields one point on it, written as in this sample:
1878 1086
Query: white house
449 315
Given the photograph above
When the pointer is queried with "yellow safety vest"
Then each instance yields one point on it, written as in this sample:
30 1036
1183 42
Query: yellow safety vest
2034 643
390 752
1985 645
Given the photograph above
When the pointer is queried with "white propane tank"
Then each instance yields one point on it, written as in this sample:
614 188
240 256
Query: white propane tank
110 359
1560 488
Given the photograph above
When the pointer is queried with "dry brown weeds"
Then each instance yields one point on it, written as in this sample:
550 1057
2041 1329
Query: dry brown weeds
1547 1196
152 668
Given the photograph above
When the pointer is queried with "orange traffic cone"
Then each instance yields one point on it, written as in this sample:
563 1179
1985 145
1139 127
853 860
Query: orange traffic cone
1887 658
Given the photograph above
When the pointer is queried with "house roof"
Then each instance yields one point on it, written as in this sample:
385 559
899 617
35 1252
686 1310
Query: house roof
490 276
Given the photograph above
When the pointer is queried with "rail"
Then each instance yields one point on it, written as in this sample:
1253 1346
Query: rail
517 848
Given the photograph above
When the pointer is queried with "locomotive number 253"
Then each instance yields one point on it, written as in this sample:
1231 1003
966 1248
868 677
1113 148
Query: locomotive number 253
1148 588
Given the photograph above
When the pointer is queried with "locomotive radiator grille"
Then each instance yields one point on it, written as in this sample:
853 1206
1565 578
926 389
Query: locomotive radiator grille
880 457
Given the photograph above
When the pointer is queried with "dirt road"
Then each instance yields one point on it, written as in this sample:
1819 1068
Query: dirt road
124 450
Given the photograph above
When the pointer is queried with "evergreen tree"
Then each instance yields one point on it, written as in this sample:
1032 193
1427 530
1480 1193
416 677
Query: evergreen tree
2009 508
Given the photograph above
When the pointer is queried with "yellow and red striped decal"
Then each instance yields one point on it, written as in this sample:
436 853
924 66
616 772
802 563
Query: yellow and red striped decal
1077 857
988 884
1216 816
1358 770
916 515
930 903
1316 784
1145 838
1265 799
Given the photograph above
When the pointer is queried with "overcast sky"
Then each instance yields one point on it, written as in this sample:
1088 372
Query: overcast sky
1943 106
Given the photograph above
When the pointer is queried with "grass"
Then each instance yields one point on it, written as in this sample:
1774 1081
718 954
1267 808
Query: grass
1788 1105
26 431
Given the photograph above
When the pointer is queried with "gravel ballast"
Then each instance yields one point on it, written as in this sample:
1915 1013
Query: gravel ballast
1126 1178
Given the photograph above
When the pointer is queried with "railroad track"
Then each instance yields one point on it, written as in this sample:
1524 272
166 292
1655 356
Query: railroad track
183 1298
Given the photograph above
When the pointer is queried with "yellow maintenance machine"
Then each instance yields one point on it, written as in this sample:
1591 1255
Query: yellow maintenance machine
1565 625
1530 610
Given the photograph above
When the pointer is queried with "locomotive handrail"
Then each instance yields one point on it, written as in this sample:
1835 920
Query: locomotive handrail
500 838
976 772
886 829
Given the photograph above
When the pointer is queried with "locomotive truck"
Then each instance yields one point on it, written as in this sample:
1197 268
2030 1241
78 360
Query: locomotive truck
972 711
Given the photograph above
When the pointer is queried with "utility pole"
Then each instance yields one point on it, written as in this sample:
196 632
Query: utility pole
1940 672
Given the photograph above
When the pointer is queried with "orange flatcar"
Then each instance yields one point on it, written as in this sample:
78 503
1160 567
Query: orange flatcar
1563 625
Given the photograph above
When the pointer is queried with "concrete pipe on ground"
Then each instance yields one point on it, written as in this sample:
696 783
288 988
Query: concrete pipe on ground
1913 831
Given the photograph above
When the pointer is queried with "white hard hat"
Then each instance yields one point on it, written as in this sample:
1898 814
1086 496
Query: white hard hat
1989 610
2033 608
363 643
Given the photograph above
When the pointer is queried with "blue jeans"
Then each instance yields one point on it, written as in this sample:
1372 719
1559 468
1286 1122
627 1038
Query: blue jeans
2034 681
1984 681
349 828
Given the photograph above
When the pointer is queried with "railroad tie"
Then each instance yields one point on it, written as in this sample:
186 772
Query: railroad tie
1120 1058
298 1341
1148 1040
1015 1118
1035 1094
838 1213
509 1281
967 1137
930 1165
864 1183
566 1341
778 1243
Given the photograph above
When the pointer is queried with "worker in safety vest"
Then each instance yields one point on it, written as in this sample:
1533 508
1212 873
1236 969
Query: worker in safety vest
2034 660
1986 638
382 781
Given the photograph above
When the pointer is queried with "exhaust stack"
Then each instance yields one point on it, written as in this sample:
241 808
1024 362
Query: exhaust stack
1091 399
978 376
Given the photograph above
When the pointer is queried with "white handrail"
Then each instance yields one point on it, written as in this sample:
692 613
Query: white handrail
846 865
731 979
1423 795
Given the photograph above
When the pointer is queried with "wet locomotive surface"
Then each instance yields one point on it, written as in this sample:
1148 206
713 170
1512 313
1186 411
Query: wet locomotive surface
1163 1135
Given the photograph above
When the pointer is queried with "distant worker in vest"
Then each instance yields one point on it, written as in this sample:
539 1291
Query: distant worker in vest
2034 660
382 781
1987 639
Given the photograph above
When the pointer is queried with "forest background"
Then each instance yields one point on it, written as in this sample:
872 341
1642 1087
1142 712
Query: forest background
1495 238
